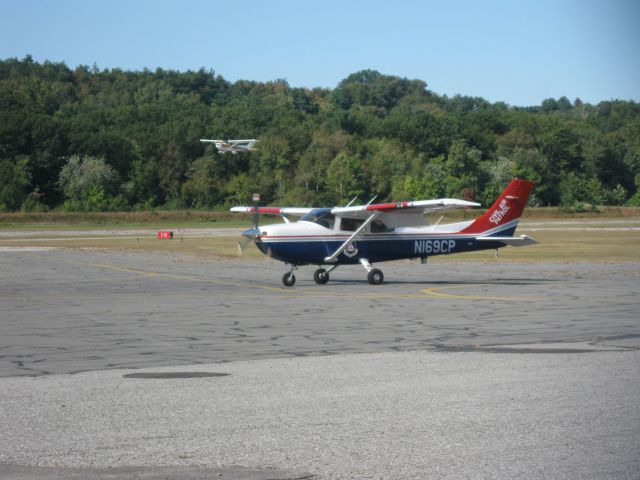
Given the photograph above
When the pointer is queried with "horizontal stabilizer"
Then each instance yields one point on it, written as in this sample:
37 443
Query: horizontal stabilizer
521 241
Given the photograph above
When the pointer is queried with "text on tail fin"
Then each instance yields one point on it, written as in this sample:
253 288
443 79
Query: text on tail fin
507 208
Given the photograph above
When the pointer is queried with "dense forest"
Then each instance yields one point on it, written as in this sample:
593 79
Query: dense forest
86 139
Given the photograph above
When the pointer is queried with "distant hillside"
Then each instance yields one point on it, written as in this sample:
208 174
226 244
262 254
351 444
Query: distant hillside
89 139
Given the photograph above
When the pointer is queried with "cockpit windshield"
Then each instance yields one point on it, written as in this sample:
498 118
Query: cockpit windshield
321 216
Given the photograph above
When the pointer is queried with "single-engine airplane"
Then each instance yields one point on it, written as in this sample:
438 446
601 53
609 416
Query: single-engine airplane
233 146
381 232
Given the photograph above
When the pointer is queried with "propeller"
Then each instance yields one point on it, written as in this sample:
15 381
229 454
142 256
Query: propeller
251 234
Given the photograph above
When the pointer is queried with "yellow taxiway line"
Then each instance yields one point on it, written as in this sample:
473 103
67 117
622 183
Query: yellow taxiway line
433 292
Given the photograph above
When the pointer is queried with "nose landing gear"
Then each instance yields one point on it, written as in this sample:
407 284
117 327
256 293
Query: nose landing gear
289 279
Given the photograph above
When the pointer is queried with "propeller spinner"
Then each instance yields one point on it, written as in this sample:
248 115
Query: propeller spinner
252 233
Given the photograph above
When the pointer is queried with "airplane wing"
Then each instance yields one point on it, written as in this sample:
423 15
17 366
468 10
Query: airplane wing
248 144
294 211
251 141
419 206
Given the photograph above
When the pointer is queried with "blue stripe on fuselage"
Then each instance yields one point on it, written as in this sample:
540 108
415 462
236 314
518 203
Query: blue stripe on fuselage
301 252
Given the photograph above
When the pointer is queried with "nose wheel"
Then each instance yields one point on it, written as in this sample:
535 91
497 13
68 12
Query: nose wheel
289 279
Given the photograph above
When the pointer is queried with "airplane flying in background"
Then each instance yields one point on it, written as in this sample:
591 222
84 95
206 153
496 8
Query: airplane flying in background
372 233
233 146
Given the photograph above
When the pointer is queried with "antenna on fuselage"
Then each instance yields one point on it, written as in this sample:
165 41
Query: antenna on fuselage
351 202
372 199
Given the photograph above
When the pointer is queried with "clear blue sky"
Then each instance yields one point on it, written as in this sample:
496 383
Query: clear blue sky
516 51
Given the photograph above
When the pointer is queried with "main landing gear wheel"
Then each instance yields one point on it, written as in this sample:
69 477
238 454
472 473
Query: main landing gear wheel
375 277
321 276
288 279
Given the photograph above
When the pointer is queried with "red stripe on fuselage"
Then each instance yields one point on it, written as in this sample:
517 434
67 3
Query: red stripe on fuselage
371 235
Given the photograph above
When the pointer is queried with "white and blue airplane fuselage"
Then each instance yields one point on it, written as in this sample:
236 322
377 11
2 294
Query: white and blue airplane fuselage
382 232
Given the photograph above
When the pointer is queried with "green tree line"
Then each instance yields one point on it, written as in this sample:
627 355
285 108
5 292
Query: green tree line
90 139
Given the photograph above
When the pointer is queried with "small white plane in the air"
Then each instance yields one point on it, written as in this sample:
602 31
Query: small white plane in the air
233 146
386 231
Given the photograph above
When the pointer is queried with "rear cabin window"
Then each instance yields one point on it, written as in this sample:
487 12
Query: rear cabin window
378 227
350 224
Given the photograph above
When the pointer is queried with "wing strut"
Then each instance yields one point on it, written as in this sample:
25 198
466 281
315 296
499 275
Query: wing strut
340 249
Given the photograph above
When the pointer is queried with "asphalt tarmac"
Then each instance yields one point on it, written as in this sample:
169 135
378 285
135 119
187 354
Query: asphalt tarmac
461 369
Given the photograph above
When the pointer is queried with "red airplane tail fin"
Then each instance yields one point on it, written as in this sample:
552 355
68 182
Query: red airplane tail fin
505 212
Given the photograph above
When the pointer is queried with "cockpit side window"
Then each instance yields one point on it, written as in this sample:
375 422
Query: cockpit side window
321 216
352 224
